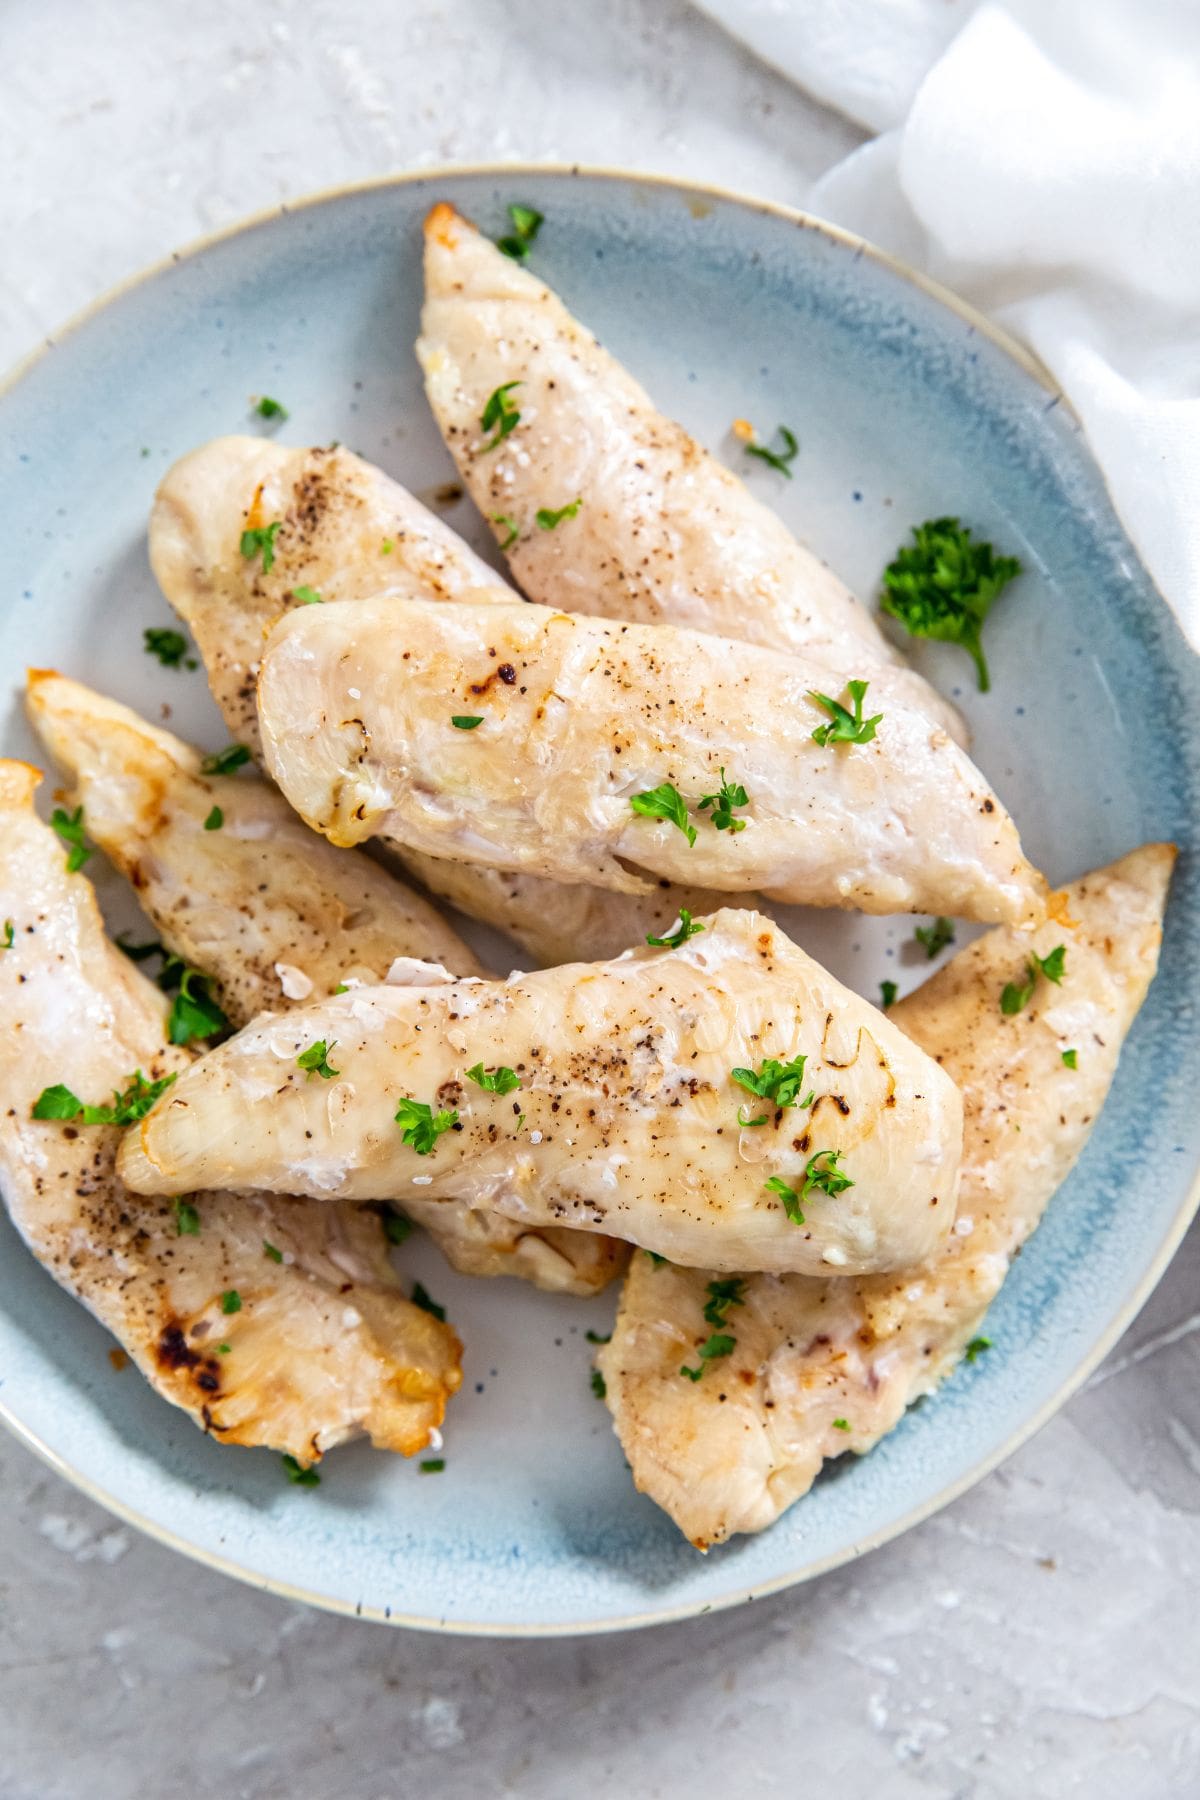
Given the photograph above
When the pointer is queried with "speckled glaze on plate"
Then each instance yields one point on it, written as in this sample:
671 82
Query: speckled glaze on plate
906 406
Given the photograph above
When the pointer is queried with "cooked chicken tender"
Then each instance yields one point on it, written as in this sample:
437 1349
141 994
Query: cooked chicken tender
586 726
275 915
816 1368
654 529
270 1321
727 1103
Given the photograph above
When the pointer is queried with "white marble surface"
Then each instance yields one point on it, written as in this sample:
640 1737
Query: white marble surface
1037 1640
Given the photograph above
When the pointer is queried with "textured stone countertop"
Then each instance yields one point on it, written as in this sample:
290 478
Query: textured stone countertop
1038 1639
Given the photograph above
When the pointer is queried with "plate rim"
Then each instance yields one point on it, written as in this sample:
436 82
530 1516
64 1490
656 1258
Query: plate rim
1117 1326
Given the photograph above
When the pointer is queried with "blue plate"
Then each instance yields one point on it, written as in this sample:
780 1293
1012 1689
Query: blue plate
905 407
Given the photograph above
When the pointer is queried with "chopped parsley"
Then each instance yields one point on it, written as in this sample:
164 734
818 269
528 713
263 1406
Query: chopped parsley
315 1060
169 646
829 1179
225 762
776 1081
266 408
422 1127
231 1301
934 938
731 794
548 517
498 416
976 1348
664 802
386 546
433 1465
194 1013
845 727
69 827
526 223
594 1337
789 1197
519 1123
719 1344
778 459
215 820
466 721
396 1228
271 1252
1071 1058
721 1296
513 529
685 929
427 1303
187 1219
599 1385
298 1475
656 1259
888 991
308 596
841 1424
224 1349
942 586
1016 995
58 1102
261 538
7 942
502 1080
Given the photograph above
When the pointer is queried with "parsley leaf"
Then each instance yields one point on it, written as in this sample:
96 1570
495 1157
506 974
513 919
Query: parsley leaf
776 1081
315 1060
134 1103
548 517
308 596
934 938
1016 995
841 1424
778 459
266 408
69 827
298 1475
57 1102
498 416
433 1465
664 802
789 1197
169 646
830 1179
7 942
397 1229
261 538
427 1303
1071 1058
187 1219
1054 966
514 530
215 820
732 794
599 1385
466 721
719 1344
721 1296
976 1348
422 1127
194 1013
888 990
942 586
271 1252
526 223
685 929
225 762
231 1301
502 1080
845 727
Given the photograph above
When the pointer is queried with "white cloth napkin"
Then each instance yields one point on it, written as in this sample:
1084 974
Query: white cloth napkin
1042 158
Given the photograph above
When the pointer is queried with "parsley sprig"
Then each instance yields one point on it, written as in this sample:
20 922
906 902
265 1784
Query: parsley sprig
719 1344
169 646
526 223
822 1174
789 1197
498 416
421 1126
845 727
721 1296
686 928
934 938
315 1060
778 459
260 539
70 828
548 517
1016 995
194 1013
664 802
502 1080
943 585
731 794
58 1102
776 1081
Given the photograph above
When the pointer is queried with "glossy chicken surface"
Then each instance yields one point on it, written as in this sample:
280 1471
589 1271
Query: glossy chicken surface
275 915
269 1320
580 716
823 1367
615 1106
336 513
663 533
